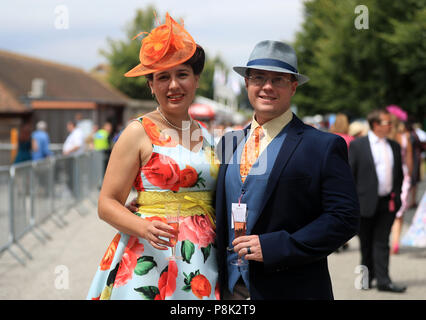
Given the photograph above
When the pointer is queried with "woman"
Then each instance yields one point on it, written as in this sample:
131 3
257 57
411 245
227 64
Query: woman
24 144
400 134
341 128
168 158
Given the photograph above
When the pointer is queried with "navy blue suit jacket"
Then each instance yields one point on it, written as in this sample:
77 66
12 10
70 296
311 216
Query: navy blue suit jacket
310 209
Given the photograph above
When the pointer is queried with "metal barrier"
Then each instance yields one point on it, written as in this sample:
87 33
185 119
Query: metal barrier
34 191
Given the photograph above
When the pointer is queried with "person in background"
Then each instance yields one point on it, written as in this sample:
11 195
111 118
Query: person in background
89 141
101 141
358 129
40 142
341 128
74 143
418 148
377 168
102 136
24 143
400 134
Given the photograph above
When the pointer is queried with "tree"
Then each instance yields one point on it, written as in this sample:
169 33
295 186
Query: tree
123 55
357 70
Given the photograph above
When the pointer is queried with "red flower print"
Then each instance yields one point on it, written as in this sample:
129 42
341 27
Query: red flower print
202 123
217 291
162 171
197 229
167 281
110 252
200 286
155 134
162 219
188 177
138 183
128 261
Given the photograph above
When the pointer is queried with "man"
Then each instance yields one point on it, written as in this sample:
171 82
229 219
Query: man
40 142
74 143
101 142
101 138
299 195
377 169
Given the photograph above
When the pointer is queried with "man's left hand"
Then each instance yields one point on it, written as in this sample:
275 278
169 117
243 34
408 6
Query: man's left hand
241 245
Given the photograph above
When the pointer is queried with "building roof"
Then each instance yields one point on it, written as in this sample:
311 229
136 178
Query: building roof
62 82
9 103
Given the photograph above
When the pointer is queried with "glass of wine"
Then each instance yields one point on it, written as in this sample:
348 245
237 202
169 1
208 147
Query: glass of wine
172 212
240 224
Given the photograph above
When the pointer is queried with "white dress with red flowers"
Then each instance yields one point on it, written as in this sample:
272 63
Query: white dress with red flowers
131 268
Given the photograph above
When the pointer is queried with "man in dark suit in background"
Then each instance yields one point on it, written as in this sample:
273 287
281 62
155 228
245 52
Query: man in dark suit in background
299 196
377 169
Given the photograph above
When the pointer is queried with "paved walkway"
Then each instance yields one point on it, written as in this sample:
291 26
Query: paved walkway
63 267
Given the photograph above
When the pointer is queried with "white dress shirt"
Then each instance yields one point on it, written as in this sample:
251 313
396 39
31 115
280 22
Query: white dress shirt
383 160
74 139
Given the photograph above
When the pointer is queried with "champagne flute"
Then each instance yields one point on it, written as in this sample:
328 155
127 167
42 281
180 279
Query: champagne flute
172 211
240 229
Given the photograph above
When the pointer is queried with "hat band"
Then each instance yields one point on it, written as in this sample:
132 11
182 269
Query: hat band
273 63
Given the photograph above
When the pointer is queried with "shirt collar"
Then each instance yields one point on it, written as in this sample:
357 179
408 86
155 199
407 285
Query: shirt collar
374 138
274 126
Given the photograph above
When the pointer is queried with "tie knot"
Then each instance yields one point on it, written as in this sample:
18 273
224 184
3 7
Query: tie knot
258 132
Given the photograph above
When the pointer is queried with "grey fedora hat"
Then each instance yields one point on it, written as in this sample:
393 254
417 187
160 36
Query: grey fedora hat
276 56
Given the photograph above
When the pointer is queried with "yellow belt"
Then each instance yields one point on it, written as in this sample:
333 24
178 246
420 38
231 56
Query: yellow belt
153 203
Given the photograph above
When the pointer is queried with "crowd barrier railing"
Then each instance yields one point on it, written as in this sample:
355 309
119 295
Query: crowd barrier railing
32 192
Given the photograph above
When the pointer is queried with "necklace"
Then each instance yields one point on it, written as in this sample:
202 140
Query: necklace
171 124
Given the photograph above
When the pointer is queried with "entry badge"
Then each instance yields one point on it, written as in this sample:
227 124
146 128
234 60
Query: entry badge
239 211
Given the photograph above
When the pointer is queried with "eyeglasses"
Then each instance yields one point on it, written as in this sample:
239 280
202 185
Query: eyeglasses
260 80
385 123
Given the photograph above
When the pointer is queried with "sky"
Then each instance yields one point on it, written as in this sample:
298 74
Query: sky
73 31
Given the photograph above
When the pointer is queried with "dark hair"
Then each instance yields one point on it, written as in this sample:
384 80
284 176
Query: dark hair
196 62
374 116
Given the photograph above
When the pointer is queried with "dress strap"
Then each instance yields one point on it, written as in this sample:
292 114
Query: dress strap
157 136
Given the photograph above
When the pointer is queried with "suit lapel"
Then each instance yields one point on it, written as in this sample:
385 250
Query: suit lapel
370 158
369 152
225 151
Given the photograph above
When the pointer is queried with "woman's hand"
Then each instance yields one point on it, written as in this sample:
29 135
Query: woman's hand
154 230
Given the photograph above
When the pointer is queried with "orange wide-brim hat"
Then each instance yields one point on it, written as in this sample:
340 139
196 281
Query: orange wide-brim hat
167 45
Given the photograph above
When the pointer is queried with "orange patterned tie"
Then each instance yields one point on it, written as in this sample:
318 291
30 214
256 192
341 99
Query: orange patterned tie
250 152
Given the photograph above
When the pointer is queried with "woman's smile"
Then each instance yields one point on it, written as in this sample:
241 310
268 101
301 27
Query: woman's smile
174 98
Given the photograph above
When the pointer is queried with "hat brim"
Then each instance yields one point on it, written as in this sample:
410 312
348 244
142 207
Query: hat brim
139 70
301 79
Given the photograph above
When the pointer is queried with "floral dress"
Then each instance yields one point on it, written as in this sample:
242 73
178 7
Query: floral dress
131 268
416 233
